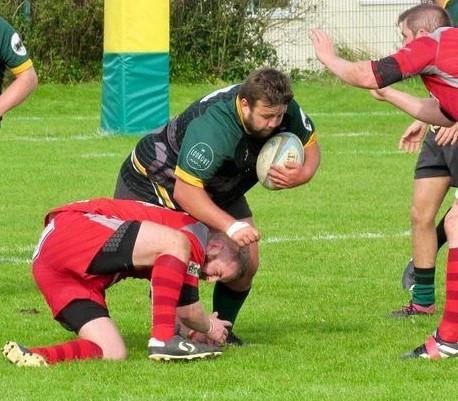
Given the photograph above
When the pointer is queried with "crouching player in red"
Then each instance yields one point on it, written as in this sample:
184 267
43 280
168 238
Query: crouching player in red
90 245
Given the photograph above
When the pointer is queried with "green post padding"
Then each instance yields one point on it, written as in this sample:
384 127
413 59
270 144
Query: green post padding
135 92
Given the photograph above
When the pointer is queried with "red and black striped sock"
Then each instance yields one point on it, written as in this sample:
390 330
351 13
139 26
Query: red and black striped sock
71 350
448 329
167 280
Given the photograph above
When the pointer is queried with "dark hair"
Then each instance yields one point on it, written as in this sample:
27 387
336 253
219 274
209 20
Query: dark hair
266 84
425 16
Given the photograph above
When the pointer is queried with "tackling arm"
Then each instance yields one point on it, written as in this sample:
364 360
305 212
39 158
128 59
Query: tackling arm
197 203
194 317
294 174
423 109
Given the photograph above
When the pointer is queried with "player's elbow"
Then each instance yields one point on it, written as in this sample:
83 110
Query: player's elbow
362 76
30 78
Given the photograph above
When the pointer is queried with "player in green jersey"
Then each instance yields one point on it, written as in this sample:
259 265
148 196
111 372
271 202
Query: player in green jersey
14 57
204 161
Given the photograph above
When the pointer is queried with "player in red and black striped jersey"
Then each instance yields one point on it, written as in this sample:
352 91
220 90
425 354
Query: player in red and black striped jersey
430 51
88 246
204 161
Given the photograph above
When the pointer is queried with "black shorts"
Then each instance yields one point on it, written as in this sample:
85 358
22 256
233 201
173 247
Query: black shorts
239 209
437 161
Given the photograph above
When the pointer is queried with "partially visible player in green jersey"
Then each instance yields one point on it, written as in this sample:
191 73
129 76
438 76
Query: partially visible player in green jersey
452 8
204 161
14 57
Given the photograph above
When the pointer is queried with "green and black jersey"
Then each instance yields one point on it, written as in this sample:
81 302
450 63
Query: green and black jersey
452 8
13 54
205 146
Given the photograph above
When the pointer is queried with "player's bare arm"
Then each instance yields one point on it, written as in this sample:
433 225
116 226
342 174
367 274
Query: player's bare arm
358 73
293 174
194 317
413 136
423 109
21 87
197 203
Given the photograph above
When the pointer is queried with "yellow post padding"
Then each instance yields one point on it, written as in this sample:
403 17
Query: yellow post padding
136 26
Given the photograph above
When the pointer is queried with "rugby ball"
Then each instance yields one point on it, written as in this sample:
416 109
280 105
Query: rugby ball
277 150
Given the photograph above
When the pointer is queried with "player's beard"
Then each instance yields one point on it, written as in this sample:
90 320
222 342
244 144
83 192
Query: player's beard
257 133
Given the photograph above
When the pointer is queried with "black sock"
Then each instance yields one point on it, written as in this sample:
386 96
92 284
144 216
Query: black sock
228 302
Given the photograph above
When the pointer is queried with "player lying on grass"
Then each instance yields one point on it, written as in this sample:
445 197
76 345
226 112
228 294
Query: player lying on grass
90 245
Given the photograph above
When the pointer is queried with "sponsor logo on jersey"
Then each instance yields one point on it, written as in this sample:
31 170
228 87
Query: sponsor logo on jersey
200 156
17 45
193 269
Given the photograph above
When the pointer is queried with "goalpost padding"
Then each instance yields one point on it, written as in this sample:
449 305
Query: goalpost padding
135 91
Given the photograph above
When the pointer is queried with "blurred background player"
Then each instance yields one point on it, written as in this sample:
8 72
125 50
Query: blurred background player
204 161
425 28
90 245
14 57
424 212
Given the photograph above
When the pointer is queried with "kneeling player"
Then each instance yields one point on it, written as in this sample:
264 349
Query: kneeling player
88 246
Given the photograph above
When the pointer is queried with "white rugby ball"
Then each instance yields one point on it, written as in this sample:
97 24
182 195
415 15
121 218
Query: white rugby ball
279 149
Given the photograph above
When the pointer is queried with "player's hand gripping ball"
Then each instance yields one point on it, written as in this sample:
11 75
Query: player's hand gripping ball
279 149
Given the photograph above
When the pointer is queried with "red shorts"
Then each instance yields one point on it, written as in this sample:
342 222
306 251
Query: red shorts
65 251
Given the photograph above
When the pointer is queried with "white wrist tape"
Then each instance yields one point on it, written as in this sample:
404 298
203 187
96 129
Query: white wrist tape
237 226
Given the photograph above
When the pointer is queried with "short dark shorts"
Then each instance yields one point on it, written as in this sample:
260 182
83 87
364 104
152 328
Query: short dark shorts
437 161
239 209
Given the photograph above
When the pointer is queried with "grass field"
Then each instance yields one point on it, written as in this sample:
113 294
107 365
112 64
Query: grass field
332 252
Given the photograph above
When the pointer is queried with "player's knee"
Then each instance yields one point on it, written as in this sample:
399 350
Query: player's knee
118 353
179 246
419 217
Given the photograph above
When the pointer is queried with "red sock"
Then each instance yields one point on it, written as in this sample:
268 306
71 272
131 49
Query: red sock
69 351
448 329
167 280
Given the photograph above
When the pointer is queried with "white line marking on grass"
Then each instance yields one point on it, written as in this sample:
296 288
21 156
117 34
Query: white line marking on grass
12 260
335 237
52 138
98 155
367 152
352 134
97 116
355 113
5 259
61 117
17 249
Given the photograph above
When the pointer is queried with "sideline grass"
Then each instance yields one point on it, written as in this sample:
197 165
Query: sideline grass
332 253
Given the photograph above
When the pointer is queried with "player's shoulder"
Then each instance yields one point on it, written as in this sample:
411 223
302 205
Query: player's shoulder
297 115
5 25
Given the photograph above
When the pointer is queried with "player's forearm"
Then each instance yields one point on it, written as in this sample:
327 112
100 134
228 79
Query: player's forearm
423 109
19 89
312 161
194 317
197 203
357 73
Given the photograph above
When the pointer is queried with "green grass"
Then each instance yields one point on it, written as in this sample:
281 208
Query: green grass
331 258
